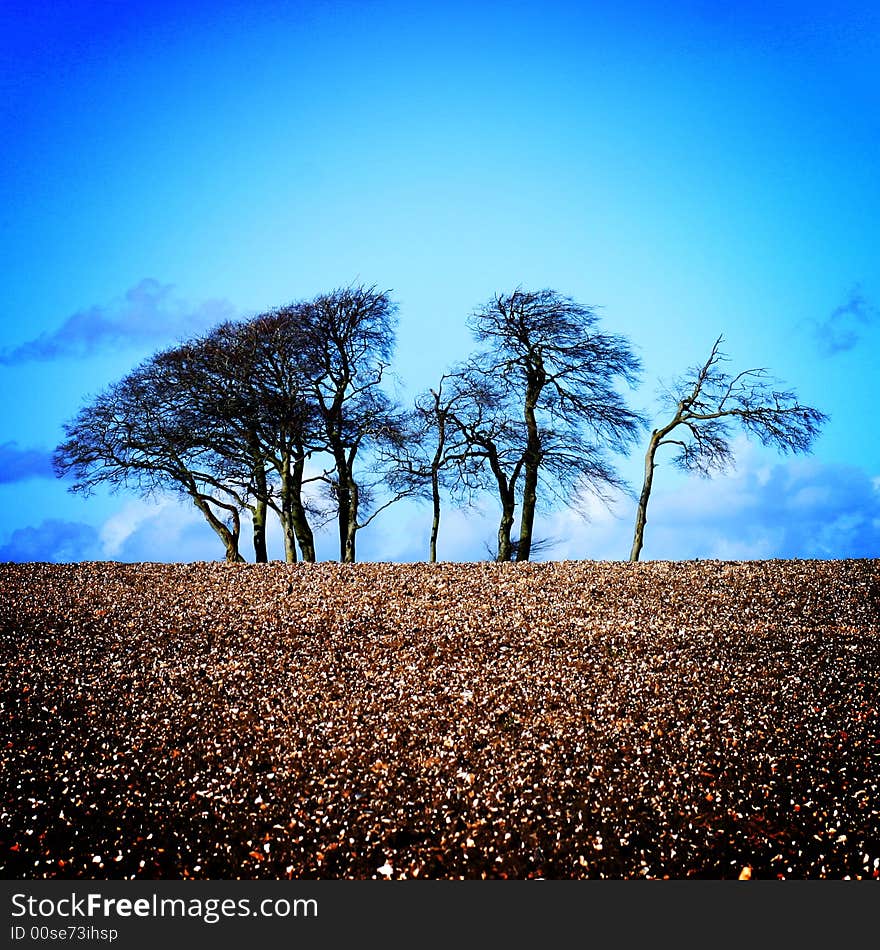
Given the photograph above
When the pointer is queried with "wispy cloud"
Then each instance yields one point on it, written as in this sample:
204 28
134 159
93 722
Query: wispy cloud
846 325
148 314
165 531
18 464
799 508
135 516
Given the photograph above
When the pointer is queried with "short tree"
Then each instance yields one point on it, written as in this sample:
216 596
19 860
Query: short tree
706 404
139 433
434 455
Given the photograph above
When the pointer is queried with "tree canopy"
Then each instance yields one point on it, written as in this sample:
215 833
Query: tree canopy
548 406
289 413
706 405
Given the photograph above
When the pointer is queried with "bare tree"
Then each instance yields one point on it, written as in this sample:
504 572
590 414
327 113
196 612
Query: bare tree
232 418
434 455
706 403
215 415
346 341
547 407
246 380
138 433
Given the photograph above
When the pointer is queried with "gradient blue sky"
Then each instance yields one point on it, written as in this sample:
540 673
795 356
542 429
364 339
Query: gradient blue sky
691 169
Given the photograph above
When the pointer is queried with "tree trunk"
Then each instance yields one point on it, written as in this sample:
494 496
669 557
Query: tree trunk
303 532
351 527
228 536
532 460
301 527
642 510
232 553
294 521
286 513
347 499
289 533
435 523
343 502
261 554
505 545
436 464
527 518
507 497
259 510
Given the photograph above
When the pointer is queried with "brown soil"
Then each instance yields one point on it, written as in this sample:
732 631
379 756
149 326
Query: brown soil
557 720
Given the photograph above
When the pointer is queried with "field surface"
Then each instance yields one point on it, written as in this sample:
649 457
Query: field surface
558 720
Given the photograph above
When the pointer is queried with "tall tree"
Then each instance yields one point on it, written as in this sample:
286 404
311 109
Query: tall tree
346 342
706 404
245 379
548 406
215 412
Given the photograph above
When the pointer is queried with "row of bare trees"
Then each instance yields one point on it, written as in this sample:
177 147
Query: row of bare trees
288 412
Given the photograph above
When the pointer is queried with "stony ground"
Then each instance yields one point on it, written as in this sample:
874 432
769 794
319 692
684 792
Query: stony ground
558 720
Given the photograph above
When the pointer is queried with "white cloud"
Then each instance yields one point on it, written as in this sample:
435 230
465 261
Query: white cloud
782 508
165 530
803 509
119 527
766 507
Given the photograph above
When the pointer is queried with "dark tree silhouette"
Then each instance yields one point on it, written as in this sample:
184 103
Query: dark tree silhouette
707 402
198 386
346 340
231 419
434 455
244 384
139 433
546 407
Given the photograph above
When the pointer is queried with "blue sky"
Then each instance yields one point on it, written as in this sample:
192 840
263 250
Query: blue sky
689 169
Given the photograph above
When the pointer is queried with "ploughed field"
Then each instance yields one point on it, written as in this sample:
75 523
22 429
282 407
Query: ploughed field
557 720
